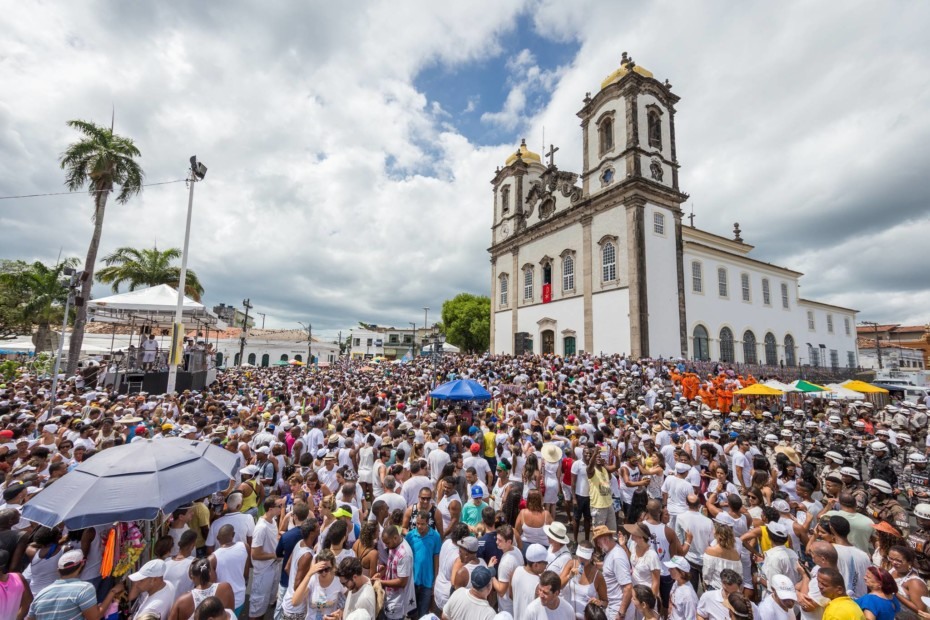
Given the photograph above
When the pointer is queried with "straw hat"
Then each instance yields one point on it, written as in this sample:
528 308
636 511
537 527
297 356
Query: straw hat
790 452
551 453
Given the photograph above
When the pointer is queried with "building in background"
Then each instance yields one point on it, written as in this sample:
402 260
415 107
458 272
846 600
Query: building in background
600 260
232 316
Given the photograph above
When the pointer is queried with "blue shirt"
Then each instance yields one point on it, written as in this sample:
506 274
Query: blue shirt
65 599
285 547
425 548
881 608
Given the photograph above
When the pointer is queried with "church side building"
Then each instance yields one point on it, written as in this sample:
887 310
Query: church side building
601 261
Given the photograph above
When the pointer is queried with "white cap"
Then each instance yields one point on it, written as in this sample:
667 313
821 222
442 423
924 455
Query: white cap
249 470
536 553
264 450
442 441
678 562
152 568
778 529
70 559
783 587
682 468
781 505
50 428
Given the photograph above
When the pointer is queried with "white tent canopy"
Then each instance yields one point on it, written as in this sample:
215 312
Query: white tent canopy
151 306
778 385
843 393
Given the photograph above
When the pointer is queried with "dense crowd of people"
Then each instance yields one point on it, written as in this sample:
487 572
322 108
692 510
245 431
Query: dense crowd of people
587 488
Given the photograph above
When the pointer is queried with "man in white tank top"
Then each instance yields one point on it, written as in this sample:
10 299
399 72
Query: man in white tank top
664 542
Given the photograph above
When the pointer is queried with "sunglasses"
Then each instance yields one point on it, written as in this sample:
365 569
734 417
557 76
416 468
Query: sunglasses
325 570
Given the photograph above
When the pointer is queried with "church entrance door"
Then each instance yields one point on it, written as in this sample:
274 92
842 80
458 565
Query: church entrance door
548 342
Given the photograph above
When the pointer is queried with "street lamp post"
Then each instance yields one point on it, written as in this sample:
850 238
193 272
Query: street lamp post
197 173
247 304
75 279
413 340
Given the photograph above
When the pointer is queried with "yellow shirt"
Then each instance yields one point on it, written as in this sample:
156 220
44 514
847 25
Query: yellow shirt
843 608
201 518
600 489
490 444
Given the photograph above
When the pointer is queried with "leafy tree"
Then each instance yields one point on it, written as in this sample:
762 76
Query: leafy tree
466 321
44 295
13 297
147 267
98 161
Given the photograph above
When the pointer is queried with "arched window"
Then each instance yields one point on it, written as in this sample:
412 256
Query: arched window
504 286
726 345
236 359
252 358
749 348
505 199
605 133
568 273
789 351
219 360
266 359
528 284
284 357
568 345
655 128
701 350
609 262
771 350
299 357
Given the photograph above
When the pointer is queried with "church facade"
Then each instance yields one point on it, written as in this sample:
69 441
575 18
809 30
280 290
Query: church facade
601 261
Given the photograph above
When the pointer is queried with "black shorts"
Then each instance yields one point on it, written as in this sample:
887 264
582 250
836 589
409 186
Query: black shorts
582 506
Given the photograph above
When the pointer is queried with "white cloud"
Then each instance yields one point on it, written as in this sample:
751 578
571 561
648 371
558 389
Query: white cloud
338 192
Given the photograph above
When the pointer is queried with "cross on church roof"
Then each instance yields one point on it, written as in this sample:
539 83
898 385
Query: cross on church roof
551 155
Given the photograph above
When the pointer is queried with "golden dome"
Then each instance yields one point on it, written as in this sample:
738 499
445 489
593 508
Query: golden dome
625 67
525 154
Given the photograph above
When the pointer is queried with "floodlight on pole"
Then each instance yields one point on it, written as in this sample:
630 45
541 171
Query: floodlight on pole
197 172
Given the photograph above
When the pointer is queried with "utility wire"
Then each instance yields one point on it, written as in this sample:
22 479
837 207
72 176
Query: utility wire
92 191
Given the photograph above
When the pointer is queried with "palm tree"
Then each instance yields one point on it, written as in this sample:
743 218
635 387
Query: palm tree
100 160
145 267
44 298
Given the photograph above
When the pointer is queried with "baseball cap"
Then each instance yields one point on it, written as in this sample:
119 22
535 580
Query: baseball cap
442 441
778 529
781 505
475 448
682 468
476 492
480 577
152 568
70 559
536 553
678 562
469 543
342 512
783 587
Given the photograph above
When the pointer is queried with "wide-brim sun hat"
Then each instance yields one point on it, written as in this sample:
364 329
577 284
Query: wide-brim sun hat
551 453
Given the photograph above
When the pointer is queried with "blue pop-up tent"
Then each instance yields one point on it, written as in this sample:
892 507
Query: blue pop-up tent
461 389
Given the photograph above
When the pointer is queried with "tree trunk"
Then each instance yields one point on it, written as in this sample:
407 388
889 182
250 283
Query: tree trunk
42 338
80 318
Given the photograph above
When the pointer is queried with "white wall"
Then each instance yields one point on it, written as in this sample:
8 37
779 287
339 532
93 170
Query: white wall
662 285
503 336
611 310
838 340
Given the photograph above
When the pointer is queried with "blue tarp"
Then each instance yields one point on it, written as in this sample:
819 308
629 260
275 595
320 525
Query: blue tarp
461 389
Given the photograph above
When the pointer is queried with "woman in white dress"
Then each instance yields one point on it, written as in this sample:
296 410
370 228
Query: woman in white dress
366 462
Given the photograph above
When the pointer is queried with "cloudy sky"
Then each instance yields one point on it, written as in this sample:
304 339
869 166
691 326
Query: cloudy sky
350 149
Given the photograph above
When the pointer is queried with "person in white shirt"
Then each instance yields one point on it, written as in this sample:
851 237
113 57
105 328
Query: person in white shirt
683 600
243 525
438 458
549 605
710 605
675 492
525 580
228 562
780 603
618 574
149 586
510 560
265 563
695 531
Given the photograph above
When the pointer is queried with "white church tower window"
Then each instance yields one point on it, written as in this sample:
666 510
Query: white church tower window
655 128
723 288
697 277
605 134
527 284
658 223
505 284
568 273
609 262
505 200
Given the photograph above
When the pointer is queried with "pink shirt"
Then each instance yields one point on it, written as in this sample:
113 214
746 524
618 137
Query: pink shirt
11 595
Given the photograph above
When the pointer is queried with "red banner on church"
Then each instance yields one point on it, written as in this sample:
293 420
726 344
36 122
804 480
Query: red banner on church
547 293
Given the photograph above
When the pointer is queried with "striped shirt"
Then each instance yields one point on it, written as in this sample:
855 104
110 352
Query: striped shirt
65 599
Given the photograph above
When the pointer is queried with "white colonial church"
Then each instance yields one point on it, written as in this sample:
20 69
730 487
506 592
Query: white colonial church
601 262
